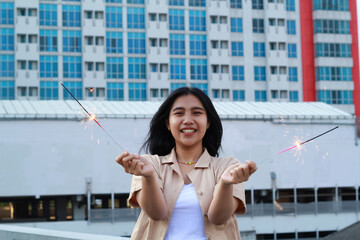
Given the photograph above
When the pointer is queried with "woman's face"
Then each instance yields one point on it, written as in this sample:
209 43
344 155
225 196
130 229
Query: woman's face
188 122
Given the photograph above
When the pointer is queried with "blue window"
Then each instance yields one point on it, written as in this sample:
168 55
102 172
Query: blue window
6 13
71 41
259 73
198 69
176 19
238 73
332 5
48 66
75 88
331 26
260 96
7 65
48 14
197 20
137 91
176 2
237 49
239 95
113 17
291 27
177 44
135 1
137 68
257 4
335 96
332 50
198 45
113 1
259 49
293 74
48 40
71 15
292 53
290 5
7 90
235 3
177 68
72 67
115 91
333 74
7 39
49 90
136 42
201 86
197 3
293 96
114 67
236 25
136 18
174 86
114 42
258 25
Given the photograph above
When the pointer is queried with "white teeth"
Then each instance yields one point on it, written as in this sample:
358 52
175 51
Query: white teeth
188 130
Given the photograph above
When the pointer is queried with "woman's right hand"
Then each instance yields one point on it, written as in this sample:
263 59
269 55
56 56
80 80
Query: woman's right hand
135 164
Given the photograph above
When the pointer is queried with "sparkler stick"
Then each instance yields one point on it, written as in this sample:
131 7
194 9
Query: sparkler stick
92 117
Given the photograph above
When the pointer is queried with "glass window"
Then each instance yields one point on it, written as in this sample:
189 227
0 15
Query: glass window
201 86
238 73
292 53
176 19
135 1
174 86
136 18
259 73
115 91
291 27
176 2
114 42
75 88
332 5
293 74
48 66
7 90
197 20
333 73
198 45
237 49
136 42
48 40
137 68
259 49
293 96
71 41
48 14
257 4
197 3
290 5
7 65
258 25
7 39
113 1
177 44
236 25
49 90
71 16
72 67
238 95
198 69
137 91
114 17
331 26
260 96
177 68
236 3
6 13
335 96
114 67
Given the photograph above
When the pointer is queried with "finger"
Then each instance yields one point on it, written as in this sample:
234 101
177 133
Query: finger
240 171
252 166
119 159
128 158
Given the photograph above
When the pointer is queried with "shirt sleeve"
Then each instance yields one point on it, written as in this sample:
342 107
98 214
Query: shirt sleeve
136 183
238 189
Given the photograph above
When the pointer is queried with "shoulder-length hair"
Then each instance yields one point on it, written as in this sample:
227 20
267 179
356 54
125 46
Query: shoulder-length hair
159 139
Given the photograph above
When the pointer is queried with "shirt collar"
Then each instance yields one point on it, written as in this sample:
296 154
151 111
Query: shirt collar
203 162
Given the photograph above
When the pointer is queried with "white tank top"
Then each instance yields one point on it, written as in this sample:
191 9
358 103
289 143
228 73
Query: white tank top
186 221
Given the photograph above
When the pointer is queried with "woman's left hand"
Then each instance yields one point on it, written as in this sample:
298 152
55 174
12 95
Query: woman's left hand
238 173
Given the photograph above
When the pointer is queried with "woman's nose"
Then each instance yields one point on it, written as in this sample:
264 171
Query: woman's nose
188 119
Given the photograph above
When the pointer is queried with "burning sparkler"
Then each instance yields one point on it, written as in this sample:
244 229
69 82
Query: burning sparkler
92 117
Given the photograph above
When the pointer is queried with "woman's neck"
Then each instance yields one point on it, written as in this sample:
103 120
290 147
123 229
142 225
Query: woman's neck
188 155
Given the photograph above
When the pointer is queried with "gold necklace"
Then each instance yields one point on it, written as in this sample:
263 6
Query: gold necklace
187 163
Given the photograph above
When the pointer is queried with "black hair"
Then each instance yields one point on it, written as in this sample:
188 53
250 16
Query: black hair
159 139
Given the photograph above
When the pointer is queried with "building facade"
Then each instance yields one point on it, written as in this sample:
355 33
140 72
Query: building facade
259 50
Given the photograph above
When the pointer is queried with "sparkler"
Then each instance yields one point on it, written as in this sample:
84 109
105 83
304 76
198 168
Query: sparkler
92 117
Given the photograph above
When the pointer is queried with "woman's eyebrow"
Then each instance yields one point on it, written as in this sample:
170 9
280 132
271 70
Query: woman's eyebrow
193 108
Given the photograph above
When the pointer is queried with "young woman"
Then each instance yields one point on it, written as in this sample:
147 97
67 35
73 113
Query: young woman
184 190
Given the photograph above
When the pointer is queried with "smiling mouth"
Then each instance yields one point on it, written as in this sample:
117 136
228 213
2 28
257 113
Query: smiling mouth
188 130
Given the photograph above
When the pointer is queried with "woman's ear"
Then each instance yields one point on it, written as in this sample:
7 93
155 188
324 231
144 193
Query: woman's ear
207 125
167 124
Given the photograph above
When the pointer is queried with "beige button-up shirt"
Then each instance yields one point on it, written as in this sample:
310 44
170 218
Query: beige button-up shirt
205 177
